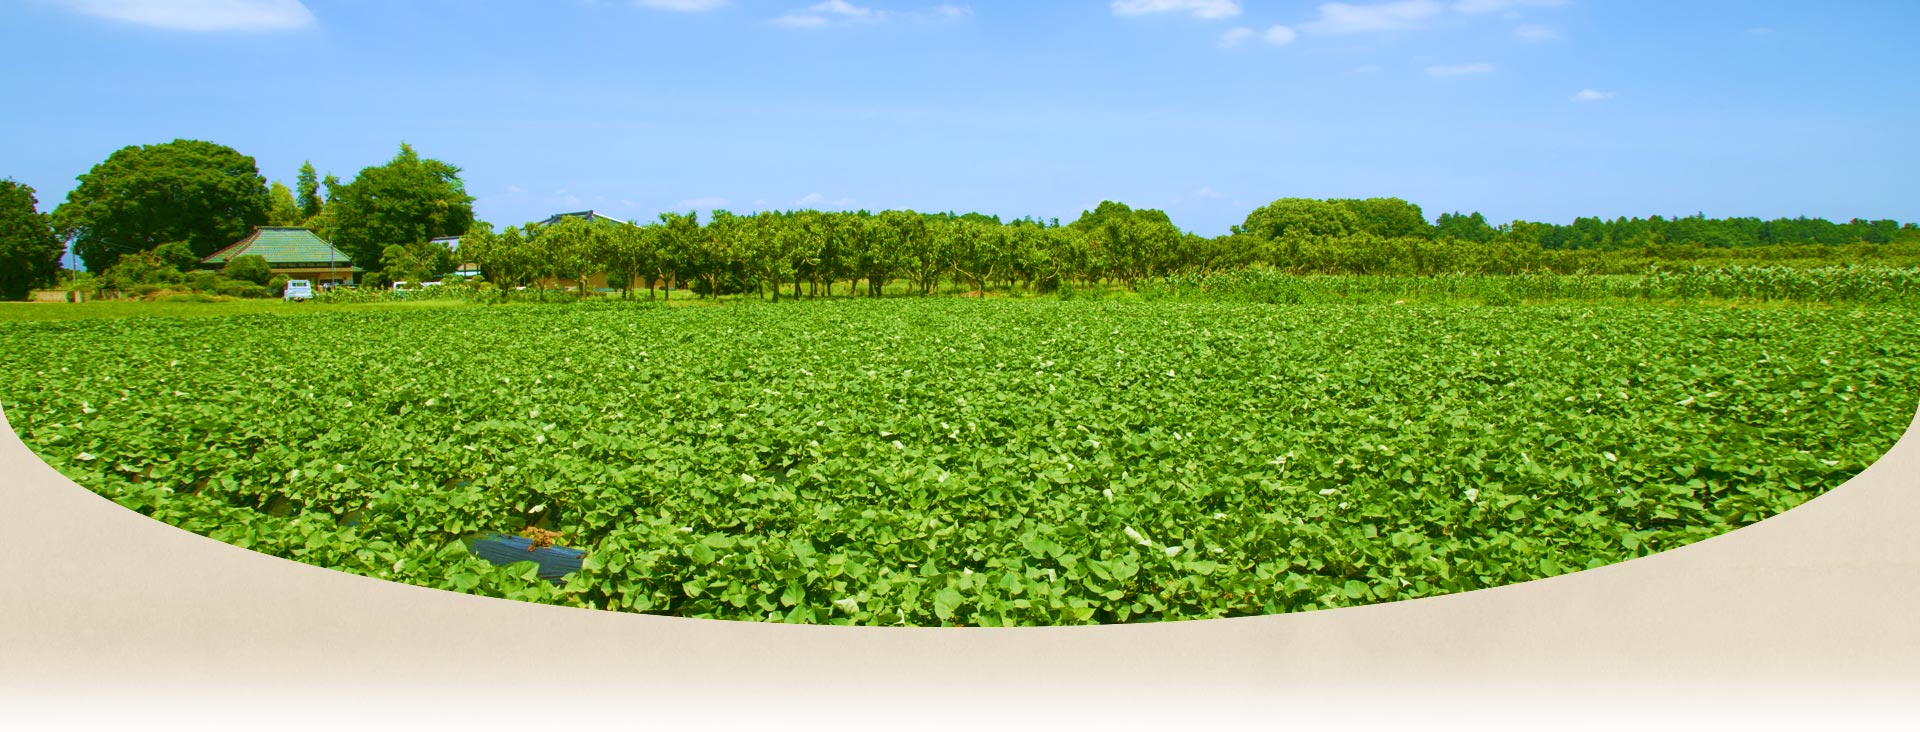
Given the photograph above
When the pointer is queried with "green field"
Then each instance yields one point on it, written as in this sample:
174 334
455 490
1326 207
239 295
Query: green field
973 462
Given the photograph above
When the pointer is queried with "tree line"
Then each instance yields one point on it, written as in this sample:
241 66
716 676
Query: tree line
173 203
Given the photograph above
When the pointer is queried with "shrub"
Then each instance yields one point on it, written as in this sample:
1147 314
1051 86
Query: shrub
250 268
203 281
138 269
178 255
193 297
240 288
277 286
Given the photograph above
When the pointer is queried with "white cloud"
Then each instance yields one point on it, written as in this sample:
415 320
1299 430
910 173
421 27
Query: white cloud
515 190
820 14
1206 192
1339 18
1762 31
1591 95
1278 35
1367 69
707 203
815 200
830 12
201 15
842 8
1208 9
1534 33
1461 69
682 6
1494 6
800 20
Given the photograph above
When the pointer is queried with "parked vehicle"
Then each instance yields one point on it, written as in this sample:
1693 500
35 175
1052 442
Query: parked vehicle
299 290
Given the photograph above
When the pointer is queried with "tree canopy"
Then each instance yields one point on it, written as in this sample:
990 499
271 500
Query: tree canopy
140 197
281 208
29 251
406 201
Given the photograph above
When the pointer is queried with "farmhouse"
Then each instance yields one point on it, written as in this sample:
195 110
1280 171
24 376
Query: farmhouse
293 251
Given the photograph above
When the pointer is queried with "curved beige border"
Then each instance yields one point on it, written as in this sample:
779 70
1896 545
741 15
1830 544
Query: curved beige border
99 602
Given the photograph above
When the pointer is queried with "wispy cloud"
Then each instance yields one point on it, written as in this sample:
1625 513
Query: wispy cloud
681 6
1762 31
1208 9
201 15
815 200
1236 36
1481 67
1495 6
1278 35
841 12
1342 18
1205 192
1592 95
1533 33
1367 69
706 203
1407 15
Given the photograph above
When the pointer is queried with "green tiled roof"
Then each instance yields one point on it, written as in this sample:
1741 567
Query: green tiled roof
283 246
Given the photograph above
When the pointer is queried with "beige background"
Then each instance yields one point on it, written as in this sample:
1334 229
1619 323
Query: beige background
1814 612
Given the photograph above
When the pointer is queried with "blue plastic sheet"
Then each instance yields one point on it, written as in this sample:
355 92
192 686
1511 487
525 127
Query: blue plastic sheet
556 562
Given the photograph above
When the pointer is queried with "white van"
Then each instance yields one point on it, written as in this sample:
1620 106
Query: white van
299 290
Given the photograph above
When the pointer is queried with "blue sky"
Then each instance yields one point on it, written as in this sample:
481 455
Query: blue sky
1541 109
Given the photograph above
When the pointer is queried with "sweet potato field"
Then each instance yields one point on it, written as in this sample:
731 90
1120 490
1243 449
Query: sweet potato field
986 462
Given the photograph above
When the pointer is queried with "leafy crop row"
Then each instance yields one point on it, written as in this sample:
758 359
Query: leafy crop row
919 462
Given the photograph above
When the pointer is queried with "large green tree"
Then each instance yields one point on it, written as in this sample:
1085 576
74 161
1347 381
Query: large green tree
29 250
408 200
198 192
281 209
309 199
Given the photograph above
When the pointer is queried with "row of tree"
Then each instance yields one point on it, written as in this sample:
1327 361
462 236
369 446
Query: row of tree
811 251
1393 218
200 197
814 251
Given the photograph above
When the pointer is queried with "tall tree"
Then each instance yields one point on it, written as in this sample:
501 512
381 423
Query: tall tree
198 192
29 250
309 192
408 200
281 209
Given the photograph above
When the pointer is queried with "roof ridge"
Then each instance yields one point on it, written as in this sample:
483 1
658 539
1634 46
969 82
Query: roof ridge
238 246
